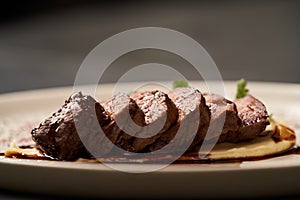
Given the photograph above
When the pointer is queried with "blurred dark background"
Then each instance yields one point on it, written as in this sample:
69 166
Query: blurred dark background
42 43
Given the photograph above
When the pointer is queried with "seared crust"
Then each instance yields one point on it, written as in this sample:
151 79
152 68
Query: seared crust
57 136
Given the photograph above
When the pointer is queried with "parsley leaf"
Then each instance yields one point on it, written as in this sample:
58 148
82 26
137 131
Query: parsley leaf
242 91
180 83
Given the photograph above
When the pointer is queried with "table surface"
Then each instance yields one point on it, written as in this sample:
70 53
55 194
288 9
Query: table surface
44 47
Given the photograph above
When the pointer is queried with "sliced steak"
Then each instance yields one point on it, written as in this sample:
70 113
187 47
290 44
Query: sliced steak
160 114
192 123
224 115
127 120
58 137
254 118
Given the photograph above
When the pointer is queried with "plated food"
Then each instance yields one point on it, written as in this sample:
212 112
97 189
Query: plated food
22 111
127 120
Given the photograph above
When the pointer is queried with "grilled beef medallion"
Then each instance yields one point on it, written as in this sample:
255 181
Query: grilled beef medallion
192 123
146 122
254 118
160 114
223 114
57 136
127 118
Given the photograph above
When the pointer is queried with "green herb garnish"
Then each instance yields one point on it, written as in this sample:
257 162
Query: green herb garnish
180 83
271 119
242 91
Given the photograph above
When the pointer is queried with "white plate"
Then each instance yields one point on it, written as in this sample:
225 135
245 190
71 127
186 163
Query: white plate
271 177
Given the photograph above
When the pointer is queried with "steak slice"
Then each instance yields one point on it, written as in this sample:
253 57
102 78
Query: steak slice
160 114
192 123
57 136
223 114
127 120
254 118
